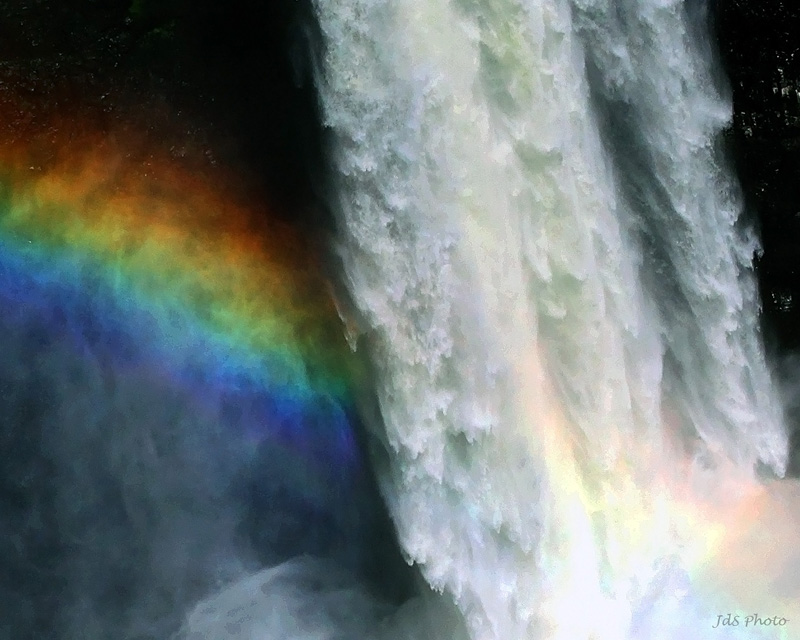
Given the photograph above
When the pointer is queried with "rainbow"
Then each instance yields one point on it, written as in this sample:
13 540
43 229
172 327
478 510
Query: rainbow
159 265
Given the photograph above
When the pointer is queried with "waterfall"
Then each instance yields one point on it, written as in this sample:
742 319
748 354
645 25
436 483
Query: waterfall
542 243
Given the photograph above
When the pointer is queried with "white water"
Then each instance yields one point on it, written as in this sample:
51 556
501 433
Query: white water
542 247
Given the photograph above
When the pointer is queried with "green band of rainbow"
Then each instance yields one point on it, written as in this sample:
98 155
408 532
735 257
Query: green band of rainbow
160 267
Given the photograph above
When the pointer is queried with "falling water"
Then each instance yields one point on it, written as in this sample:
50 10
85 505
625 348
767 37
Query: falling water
540 239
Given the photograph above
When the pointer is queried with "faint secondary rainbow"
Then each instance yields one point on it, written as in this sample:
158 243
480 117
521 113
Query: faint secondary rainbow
151 264
674 552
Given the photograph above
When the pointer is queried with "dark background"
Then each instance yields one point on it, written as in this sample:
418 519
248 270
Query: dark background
229 76
760 45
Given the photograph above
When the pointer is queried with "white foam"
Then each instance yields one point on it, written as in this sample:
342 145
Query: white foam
553 336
